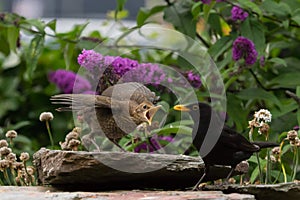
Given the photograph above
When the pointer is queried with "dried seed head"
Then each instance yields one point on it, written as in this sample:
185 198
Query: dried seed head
273 159
24 156
11 157
73 144
276 151
72 135
242 167
253 123
77 130
64 146
46 116
30 170
4 151
264 129
292 135
231 180
11 134
295 142
4 164
3 143
18 165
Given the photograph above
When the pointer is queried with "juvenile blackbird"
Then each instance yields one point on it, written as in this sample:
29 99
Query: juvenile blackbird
231 147
115 113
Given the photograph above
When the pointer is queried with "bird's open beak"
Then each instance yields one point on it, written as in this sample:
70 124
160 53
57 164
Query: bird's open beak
149 114
181 108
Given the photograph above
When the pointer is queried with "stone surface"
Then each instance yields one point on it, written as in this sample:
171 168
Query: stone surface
49 193
96 171
272 191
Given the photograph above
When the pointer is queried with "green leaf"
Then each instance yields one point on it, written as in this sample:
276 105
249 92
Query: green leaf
207 10
38 24
254 174
120 4
288 80
4 45
120 9
178 130
68 54
250 6
12 37
196 9
278 61
258 93
18 125
254 30
279 9
179 14
237 114
214 21
296 16
52 25
220 47
145 13
32 55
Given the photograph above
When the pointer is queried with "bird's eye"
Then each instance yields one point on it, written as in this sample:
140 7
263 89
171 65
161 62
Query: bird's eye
145 106
195 107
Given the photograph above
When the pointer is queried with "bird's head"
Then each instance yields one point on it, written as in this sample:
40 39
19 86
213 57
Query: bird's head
193 109
198 111
144 112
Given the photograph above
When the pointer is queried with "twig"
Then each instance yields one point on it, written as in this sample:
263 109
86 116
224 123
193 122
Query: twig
293 96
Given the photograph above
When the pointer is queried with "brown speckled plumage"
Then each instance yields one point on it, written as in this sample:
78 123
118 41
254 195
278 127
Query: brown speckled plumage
115 113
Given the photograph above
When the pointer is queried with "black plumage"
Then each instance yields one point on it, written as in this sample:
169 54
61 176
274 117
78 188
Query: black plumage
230 148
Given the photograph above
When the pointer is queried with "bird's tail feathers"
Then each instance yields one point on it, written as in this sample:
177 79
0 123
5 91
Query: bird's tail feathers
262 144
73 102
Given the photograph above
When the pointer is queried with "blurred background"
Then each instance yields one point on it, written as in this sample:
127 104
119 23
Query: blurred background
68 8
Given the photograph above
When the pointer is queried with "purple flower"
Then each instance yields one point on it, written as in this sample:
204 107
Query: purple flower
89 59
244 48
206 1
123 65
296 128
238 13
155 140
147 73
194 79
69 82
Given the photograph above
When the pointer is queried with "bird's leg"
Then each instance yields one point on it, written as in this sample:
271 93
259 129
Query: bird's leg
117 144
229 174
196 187
89 139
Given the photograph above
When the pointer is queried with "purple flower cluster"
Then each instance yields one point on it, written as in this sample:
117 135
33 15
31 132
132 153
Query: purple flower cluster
145 146
128 70
89 59
123 65
244 48
238 13
69 82
146 73
194 79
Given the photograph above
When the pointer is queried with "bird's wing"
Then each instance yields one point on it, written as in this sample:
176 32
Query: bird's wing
80 101
236 141
130 91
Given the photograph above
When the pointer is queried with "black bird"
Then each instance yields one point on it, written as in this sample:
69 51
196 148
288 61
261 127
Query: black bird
230 148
